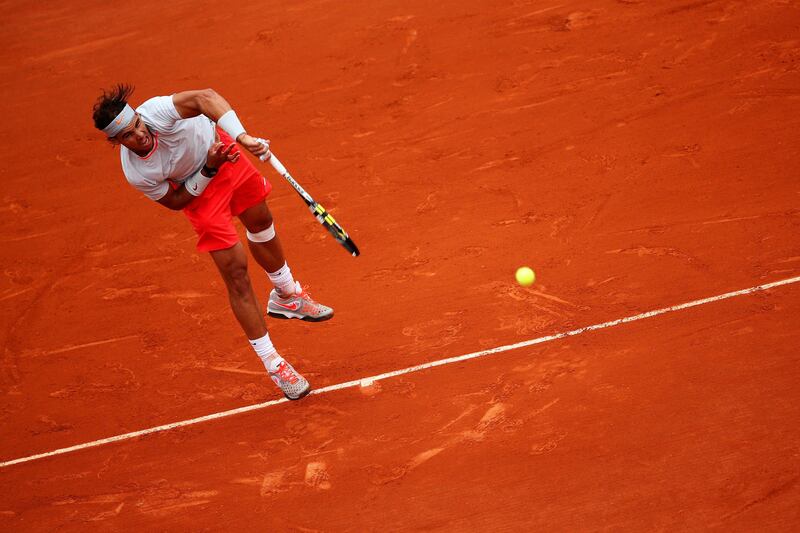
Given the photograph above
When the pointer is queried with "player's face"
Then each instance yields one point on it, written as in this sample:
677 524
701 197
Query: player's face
136 136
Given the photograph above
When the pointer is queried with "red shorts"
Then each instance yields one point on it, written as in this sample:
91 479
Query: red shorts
236 187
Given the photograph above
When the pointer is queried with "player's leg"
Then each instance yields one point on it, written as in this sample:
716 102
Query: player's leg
211 217
266 248
288 299
232 265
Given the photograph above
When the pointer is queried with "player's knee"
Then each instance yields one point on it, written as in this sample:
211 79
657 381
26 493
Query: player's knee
237 278
265 235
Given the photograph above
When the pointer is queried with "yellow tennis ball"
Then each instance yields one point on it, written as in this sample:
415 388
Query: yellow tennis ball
525 276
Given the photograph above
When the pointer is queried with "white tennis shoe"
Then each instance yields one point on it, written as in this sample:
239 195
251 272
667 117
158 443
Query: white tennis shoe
293 385
299 305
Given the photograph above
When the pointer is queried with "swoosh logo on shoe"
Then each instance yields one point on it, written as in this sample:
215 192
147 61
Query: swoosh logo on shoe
294 306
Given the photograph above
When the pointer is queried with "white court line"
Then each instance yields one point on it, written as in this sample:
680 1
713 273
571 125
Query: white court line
369 380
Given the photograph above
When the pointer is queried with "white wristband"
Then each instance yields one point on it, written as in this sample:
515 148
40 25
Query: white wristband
197 184
230 124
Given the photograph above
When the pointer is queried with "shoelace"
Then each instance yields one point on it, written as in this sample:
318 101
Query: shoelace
308 300
285 373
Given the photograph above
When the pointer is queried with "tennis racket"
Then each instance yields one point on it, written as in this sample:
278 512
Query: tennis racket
319 212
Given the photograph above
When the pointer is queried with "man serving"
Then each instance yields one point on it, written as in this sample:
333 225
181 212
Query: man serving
172 151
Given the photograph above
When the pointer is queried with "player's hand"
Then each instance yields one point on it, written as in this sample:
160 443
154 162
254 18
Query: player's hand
257 147
220 154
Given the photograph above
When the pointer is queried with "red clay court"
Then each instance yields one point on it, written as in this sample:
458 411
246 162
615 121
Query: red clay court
638 155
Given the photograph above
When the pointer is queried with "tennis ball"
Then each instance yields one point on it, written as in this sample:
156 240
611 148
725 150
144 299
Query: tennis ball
525 276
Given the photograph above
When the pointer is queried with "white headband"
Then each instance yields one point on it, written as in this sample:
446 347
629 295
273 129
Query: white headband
120 122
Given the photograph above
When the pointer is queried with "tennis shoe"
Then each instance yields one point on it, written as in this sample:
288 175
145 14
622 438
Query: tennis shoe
299 305
293 385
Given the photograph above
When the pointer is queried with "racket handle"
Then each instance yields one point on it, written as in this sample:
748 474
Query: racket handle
277 165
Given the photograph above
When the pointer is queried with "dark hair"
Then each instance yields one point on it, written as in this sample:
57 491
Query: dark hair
110 103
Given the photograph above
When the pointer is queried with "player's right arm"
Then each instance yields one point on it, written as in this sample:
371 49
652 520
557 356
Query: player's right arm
218 155
208 102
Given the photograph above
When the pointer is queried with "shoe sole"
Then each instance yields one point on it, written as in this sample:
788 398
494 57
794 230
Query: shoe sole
301 396
304 317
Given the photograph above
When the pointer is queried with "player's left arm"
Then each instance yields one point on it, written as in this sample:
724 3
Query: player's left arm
211 104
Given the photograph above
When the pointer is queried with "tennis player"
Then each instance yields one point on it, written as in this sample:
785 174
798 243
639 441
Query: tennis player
181 151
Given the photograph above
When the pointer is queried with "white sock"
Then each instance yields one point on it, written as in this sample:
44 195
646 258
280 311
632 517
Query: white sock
266 351
283 281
